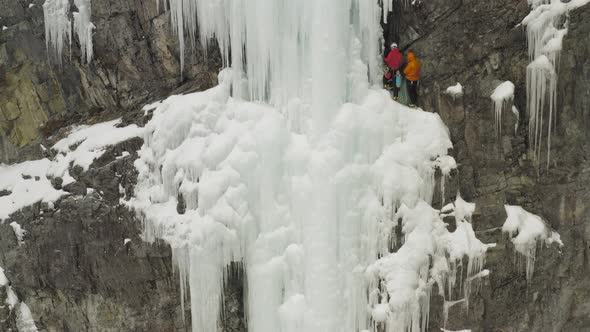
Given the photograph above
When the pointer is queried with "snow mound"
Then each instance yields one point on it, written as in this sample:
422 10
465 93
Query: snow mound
526 230
455 90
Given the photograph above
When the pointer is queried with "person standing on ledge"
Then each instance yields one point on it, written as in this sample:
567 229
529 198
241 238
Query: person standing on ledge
412 73
394 62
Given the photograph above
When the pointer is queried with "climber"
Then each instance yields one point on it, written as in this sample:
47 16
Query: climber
394 63
412 73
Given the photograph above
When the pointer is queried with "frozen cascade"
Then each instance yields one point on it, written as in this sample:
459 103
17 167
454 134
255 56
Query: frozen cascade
59 27
299 167
546 26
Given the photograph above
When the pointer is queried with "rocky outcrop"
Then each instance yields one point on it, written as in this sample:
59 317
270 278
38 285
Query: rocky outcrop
481 44
135 60
82 265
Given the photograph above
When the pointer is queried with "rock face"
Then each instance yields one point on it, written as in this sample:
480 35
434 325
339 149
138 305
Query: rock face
480 45
135 61
75 268
77 272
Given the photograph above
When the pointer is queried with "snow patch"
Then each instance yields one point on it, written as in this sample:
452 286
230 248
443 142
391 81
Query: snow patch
455 90
25 190
29 182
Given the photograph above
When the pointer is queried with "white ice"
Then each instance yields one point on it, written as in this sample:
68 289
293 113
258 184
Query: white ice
296 165
19 232
59 27
526 231
455 90
502 97
546 27
24 318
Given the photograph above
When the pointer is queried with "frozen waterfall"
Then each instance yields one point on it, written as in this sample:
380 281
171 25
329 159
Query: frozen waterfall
299 167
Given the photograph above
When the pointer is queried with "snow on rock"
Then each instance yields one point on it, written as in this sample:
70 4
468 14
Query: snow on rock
455 90
24 318
86 143
526 230
59 27
3 279
19 232
502 96
27 184
546 25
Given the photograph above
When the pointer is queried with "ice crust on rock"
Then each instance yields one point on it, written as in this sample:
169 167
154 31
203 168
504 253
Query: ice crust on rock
526 231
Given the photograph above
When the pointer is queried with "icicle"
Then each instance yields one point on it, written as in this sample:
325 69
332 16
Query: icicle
501 97
58 27
546 27
83 28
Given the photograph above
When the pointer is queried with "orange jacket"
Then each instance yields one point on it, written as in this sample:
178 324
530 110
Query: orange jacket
412 70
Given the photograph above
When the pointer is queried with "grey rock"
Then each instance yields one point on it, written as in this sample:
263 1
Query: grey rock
76 188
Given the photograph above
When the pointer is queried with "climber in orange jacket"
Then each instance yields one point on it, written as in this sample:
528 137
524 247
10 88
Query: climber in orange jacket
412 73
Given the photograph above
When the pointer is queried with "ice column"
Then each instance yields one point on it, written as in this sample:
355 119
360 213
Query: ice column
59 26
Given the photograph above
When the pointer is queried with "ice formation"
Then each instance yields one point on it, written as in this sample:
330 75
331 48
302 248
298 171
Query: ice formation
546 26
455 90
502 97
298 167
24 318
19 232
526 230
430 254
59 27
29 182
